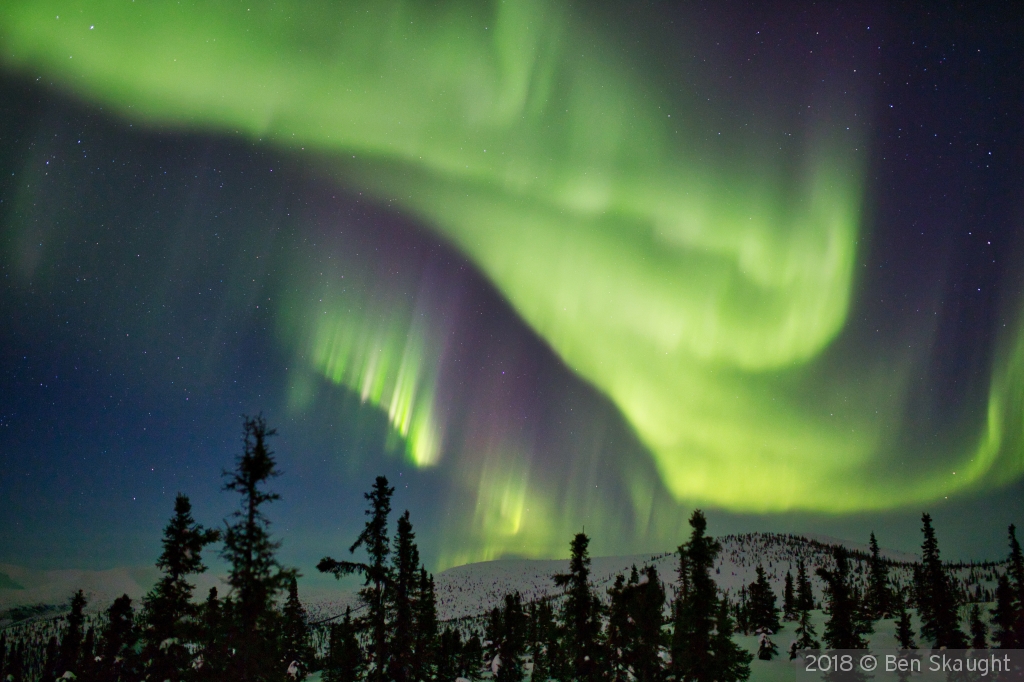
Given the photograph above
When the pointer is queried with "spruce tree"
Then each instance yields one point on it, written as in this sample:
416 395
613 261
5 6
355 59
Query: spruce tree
702 649
1015 570
879 596
295 644
804 593
116 648
634 637
425 624
731 663
939 619
806 636
844 629
449 654
618 635
511 644
345 661
213 639
405 573
255 576
1008 614
1004 615
979 631
545 644
71 642
904 626
472 657
763 611
648 641
789 609
377 574
168 607
581 614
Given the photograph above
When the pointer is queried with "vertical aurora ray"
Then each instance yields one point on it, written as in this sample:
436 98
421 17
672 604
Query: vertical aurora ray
697 284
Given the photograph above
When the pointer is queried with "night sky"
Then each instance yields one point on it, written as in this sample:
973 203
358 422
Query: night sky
545 265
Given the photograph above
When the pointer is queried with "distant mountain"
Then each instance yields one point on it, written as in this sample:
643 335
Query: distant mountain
7 583
23 587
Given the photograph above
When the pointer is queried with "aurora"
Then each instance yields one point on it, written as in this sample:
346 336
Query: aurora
696 266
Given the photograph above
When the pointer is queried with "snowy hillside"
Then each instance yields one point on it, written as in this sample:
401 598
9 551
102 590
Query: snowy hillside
471 590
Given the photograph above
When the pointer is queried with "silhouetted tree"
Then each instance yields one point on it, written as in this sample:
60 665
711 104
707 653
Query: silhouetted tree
1008 614
937 601
545 641
763 612
702 648
789 609
904 627
635 640
979 631
71 642
213 644
377 575
425 624
879 596
168 607
472 657
255 576
804 593
509 640
116 649
581 614
295 644
844 629
405 574
345 662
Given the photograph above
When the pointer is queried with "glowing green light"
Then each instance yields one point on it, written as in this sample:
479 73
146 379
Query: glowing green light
697 290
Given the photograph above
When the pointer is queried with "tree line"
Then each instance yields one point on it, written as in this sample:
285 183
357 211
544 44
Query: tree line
259 631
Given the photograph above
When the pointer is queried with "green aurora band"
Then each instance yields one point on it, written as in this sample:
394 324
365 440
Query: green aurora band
698 289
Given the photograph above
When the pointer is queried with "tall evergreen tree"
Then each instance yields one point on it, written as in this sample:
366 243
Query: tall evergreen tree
789 608
1015 570
938 607
648 640
71 642
255 576
1008 614
731 663
405 574
510 640
581 614
618 634
472 657
449 654
377 574
879 595
425 623
979 631
345 661
116 649
213 639
168 607
804 593
763 611
844 629
295 644
701 646
545 641
634 638
806 636
1004 615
